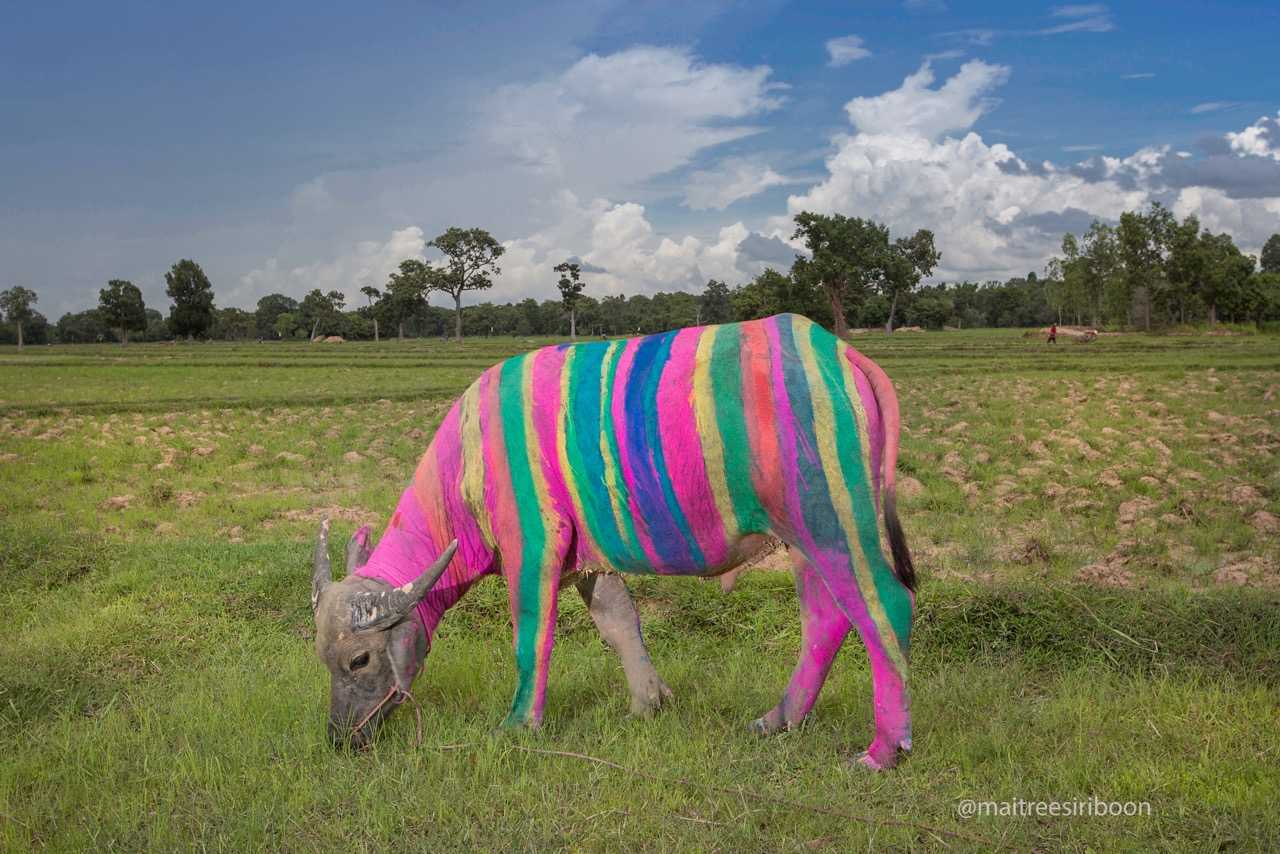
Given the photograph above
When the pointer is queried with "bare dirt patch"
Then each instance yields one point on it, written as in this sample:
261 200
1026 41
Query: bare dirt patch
909 487
1108 572
333 511
1253 571
1267 523
1131 511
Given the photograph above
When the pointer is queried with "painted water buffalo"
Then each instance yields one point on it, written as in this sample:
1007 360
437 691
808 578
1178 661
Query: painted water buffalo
680 454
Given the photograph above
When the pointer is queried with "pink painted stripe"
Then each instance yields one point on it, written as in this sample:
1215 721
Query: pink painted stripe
548 410
875 426
499 499
682 448
784 420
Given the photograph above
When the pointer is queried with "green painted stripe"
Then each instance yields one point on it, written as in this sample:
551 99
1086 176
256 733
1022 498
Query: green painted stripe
582 449
511 400
726 386
893 596
637 557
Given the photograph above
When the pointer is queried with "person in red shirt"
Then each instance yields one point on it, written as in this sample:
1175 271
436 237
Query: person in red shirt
1053 334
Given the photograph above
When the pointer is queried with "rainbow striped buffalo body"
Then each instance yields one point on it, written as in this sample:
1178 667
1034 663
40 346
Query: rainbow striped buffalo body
678 454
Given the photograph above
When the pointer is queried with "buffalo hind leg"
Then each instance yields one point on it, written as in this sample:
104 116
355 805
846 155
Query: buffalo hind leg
822 631
614 614
885 650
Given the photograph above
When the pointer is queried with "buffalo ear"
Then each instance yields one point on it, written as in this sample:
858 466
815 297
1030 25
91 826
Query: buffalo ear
358 549
370 610
322 573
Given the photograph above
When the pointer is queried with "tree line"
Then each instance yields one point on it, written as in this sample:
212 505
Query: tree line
1150 271
1147 271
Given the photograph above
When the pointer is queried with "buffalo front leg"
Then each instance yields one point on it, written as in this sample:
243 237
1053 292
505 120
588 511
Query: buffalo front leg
614 614
822 631
533 583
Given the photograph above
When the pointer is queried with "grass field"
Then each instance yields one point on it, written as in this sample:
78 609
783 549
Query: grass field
1095 525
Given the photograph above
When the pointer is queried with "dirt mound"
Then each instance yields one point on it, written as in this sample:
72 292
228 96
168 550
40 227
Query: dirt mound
1108 572
334 511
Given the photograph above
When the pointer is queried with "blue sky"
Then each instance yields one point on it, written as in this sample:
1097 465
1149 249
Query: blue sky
287 146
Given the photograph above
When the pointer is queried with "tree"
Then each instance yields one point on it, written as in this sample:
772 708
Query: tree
286 324
1227 271
320 308
1186 265
848 259
1264 297
269 308
471 260
406 292
570 286
909 260
16 304
157 327
121 307
1271 254
233 324
1102 285
714 305
373 295
192 295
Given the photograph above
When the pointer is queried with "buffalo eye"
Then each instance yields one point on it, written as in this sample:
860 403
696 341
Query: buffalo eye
360 661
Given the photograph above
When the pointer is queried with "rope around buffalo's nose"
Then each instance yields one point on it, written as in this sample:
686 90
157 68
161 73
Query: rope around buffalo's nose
394 693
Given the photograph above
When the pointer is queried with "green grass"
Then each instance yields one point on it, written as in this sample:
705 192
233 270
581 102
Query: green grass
1099 617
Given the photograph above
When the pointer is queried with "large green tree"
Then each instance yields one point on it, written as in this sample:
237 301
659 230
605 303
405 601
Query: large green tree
1270 260
120 304
269 308
570 285
848 259
192 295
406 293
1144 239
16 304
1105 289
323 310
908 261
372 294
714 306
1227 272
471 261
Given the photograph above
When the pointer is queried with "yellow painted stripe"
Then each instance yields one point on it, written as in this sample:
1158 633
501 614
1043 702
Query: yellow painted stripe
548 580
704 409
612 476
473 461
841 496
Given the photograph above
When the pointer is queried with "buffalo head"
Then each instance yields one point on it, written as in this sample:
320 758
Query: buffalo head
368 637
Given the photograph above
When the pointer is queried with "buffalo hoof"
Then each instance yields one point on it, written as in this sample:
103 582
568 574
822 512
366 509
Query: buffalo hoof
654 696
770 724
880 756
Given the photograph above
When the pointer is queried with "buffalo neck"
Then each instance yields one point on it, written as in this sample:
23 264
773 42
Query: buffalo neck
410 544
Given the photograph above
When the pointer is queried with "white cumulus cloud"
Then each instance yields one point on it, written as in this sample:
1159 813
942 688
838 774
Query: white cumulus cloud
845 50
610 122
729 181
916 110
369 262
1260 139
